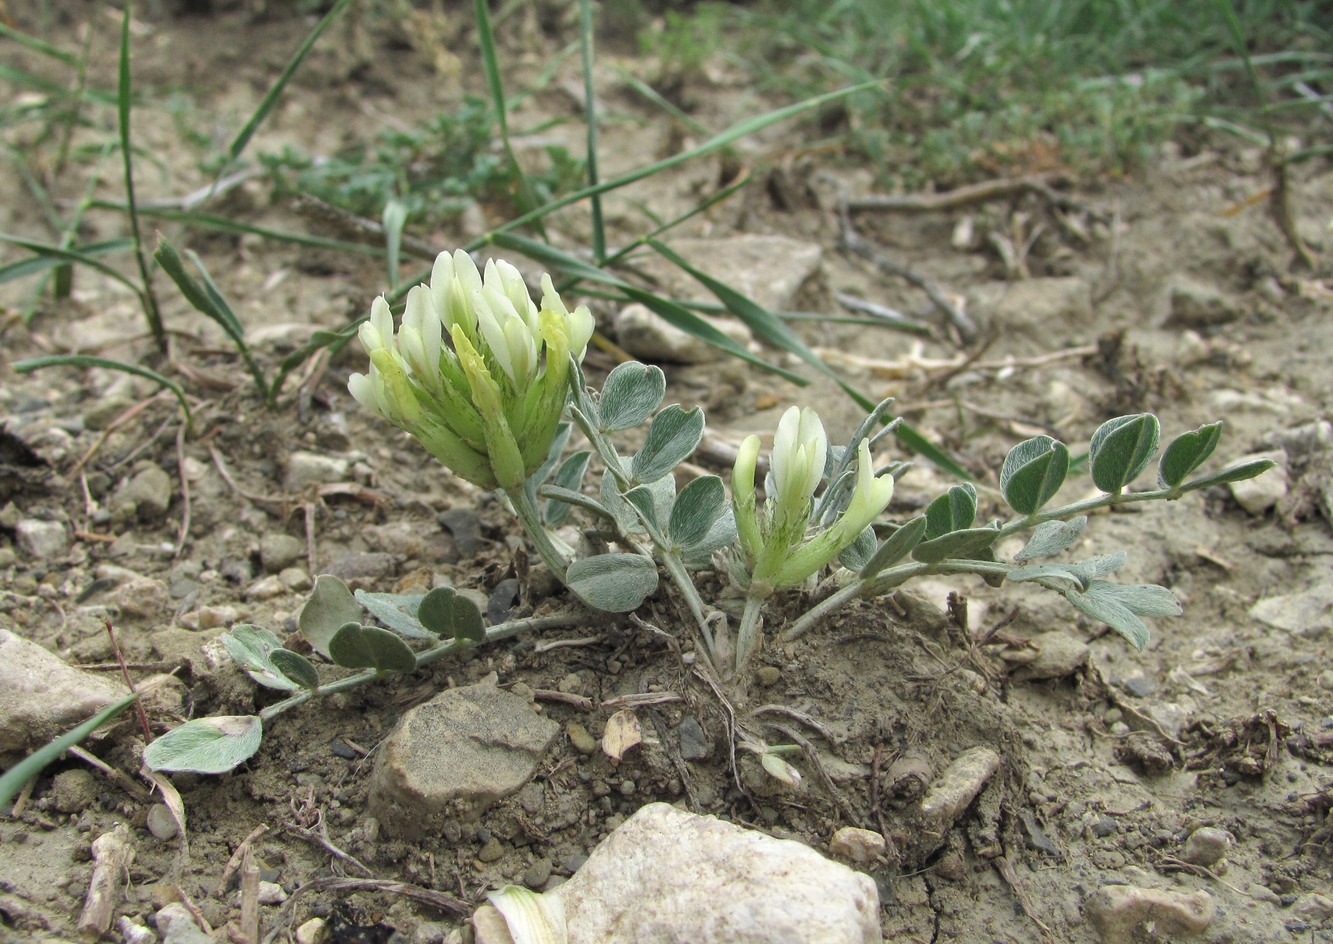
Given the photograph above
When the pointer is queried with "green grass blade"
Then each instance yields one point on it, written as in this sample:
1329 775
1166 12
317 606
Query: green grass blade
87 360
123 109
335 341
395 219
590 120
13 779
737 131
275 91
59 254
42 262
490 62
40 46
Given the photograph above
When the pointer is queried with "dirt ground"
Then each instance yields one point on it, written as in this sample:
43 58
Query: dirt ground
1172 292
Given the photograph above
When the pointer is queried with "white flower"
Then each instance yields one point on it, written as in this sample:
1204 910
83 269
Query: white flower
800 449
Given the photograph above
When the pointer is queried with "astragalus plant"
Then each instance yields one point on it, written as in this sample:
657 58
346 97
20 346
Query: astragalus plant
491 384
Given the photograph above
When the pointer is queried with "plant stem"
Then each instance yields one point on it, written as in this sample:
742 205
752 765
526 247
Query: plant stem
1090 504
893 577
531 521
426 656
747 637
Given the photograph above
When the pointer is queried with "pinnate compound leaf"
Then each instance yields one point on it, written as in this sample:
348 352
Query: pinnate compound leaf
696 510
617 583
1186 453
1120 605
673 436
331 605
1051 537
368 647
1236 473
896 546
857 554
450 616
1121 449
1033 472
630 395
206 745
966 544
252 648
398 611
955 510
296 667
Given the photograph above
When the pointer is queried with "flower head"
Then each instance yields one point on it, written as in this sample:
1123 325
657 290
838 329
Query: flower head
775 540
488 402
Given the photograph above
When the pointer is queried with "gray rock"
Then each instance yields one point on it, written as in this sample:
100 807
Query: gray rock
694 741
1206 846
312 468
1120 912
465 527
1308 613
1196 305
456 755
1259 494
1058 654
142 597
42 697
771 270
643 333
42 540
73 791
411 539
362 570
675 876
176 925
150 490
104 411
278 551
1031 306
1313 906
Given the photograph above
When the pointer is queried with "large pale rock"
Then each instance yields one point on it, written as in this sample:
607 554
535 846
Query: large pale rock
1121 912
42 697
1307 613
667 876
456 755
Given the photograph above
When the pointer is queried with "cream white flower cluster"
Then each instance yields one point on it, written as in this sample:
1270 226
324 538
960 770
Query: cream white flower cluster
486 404
774 541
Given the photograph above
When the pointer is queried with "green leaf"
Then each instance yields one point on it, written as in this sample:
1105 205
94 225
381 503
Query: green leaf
964 544
206 745
330 606
896 546
1081 574
617 583
1051 537
721 534
398 611
450 616
672 438
857 554
1236 473
1033 472
296 667
1120 606
355 646
251 647
13 779
40 263
955 510
1121 449
1186 453
644 500
569 476
631 393
394 219
696 509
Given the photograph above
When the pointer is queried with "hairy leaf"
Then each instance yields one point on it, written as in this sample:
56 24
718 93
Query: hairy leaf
1033 472
1051 537
672 437
962 545
631 393
206 745
896 546
697 508
450 616
330 606
617 583
368 647
1121 449
955 510
1186 453
251 647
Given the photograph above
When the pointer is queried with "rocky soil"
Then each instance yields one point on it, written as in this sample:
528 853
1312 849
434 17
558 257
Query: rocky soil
1009 771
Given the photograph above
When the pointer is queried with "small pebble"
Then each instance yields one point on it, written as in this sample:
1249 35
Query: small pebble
768 675
857 845
73 791
578 736
314 931
535 875
41 540
491 851
1206 846
694 742
271 893
161 823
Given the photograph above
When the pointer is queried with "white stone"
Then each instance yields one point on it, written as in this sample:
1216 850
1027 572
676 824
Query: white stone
674 876
646 335
312 468
314 931
42 540
1309 613
857 845
42 697
1261 493
1121 912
